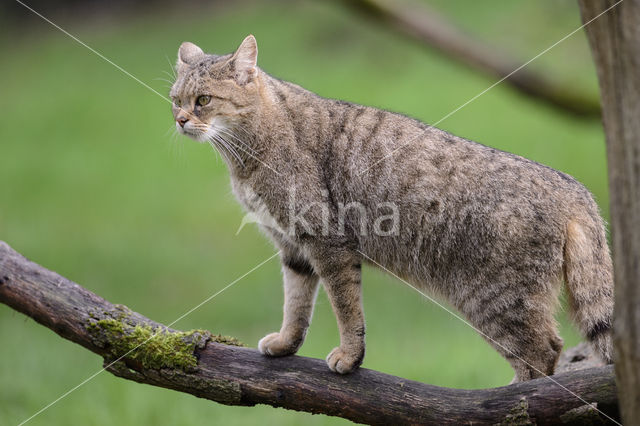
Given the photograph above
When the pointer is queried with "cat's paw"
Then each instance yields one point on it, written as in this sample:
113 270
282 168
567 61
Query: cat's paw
275 344
343 361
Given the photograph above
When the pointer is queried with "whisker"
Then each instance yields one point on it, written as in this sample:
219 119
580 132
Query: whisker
174 135
227 132
256 158
218 138
234 148
171 76
230 144
175 147
216 150
230 148
231 133
173 71
246 132
249 151
172 127
219 146
220 150
164 79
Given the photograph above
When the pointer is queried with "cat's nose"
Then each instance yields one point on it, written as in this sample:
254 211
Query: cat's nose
182 121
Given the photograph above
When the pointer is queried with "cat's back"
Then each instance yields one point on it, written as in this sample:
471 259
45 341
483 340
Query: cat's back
383 153
372 155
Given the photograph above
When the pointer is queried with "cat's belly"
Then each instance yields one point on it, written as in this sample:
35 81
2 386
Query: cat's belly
445 251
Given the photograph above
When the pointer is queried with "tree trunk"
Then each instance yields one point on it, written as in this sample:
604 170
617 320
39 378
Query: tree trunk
615 43
139 349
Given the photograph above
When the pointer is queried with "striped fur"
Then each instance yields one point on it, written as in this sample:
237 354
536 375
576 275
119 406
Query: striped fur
491 232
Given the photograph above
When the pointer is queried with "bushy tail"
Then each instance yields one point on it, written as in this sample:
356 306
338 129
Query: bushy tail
589 277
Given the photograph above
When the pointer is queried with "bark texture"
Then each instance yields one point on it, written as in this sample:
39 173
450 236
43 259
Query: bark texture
421 23
195 362
615 43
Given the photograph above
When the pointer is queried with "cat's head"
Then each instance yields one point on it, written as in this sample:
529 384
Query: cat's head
212 94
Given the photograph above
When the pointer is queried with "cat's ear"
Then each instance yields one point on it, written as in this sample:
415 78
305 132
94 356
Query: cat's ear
245 59
188 54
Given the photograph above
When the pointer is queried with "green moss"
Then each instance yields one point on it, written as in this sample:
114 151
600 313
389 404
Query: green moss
226 340
518 415
584 415
152 347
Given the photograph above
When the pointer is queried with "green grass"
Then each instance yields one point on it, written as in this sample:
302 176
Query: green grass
93 186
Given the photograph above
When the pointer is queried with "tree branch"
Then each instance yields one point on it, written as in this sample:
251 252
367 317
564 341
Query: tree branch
139 349
426 26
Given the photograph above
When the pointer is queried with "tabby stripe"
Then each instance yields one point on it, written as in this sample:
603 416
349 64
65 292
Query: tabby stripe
299 266
231 101
599 328
354 127
380 115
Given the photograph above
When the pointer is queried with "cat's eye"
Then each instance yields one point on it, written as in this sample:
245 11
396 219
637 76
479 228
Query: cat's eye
177 102
203 100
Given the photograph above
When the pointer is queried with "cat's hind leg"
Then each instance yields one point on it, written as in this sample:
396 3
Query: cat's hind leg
523 330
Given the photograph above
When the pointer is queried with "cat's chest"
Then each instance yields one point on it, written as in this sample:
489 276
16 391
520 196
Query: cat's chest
251 200
256 205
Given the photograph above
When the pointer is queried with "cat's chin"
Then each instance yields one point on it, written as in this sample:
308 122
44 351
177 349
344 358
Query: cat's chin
200 137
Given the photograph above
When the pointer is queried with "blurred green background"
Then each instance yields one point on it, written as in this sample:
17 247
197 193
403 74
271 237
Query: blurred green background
94 185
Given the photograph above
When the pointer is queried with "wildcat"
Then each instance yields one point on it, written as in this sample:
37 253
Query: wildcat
493 233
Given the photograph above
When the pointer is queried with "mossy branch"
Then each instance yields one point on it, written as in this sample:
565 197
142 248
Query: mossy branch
220 369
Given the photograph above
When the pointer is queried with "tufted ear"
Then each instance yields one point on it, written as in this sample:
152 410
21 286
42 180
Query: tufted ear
245 59
188 54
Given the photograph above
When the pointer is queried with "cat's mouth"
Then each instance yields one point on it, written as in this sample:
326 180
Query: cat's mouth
194 132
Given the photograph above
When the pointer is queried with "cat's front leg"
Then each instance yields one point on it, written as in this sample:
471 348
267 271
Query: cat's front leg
300 290
341 277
